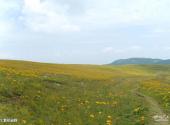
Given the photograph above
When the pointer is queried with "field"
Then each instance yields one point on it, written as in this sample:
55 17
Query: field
58 94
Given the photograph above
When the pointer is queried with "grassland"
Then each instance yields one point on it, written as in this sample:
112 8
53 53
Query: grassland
55 94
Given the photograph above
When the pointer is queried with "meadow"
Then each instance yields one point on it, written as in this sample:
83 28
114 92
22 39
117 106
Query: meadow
58 94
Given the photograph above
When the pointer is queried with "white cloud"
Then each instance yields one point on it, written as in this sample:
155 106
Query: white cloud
110 15
52 16
47 16
33 5
113 12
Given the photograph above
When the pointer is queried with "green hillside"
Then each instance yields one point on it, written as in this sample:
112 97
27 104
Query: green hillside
58 94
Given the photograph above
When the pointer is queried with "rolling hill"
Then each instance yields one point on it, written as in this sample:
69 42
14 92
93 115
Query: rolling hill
58 94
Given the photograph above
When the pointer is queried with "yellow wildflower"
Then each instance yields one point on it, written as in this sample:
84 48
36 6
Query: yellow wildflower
91 115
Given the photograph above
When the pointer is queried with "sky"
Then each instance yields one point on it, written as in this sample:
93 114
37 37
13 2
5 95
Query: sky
84 31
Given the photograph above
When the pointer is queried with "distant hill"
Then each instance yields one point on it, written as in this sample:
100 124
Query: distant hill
140 61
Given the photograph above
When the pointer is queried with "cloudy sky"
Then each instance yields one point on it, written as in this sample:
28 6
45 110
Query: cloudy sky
84 31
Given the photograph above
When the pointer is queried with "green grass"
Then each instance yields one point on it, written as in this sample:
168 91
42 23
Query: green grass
55 94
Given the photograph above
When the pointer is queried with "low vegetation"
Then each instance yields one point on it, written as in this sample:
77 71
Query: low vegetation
55 94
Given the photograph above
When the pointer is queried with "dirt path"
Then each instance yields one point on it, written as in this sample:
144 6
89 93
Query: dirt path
158 116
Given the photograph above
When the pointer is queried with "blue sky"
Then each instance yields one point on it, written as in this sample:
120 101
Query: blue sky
84 31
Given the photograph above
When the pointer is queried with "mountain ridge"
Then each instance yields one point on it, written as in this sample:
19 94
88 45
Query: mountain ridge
140 61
